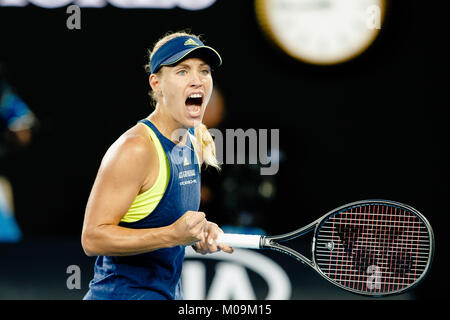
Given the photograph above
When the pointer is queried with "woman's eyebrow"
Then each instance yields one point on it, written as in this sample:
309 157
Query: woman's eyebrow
188 66
183 65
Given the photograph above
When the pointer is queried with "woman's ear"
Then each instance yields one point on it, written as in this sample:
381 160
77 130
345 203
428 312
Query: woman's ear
154 82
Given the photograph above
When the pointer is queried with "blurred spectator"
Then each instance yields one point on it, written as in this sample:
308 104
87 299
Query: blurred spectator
16 121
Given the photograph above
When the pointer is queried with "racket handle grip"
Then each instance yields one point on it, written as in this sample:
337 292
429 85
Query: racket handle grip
248 241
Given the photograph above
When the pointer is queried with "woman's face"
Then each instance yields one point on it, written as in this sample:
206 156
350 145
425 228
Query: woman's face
184 90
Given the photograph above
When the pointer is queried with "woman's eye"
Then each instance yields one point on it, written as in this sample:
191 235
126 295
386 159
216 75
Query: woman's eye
205 72
181 72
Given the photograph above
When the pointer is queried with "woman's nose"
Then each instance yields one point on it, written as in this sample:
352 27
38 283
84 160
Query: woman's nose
195 80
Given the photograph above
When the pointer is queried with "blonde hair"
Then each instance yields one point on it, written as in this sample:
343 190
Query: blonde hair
205 145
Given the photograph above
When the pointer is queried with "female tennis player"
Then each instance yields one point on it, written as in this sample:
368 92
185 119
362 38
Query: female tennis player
143 207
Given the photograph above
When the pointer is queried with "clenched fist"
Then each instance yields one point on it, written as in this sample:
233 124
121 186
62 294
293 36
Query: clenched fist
188 229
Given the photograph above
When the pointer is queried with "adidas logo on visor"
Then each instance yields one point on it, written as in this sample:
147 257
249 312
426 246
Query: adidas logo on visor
190 42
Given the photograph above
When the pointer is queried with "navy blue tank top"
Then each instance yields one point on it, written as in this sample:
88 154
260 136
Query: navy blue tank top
153 275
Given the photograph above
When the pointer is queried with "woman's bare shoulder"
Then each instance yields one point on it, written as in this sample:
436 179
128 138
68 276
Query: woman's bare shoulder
134 147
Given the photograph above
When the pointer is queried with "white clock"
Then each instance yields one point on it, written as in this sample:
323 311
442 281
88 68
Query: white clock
323 32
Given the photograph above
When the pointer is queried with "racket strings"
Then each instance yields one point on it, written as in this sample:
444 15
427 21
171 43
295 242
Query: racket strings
373 248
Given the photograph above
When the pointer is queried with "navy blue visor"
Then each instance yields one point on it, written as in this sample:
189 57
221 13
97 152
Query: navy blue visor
173 51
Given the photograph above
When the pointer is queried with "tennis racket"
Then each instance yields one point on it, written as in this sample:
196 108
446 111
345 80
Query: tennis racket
373 247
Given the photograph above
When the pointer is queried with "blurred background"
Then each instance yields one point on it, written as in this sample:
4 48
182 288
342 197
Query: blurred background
363 128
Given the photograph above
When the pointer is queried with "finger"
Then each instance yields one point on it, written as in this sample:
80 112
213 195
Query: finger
198 249
213 233
204 247
212 245
225 248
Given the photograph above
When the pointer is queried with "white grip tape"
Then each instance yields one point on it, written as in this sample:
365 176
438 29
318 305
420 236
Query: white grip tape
234 240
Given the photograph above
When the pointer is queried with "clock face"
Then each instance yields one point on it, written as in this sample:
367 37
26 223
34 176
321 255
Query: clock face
321 31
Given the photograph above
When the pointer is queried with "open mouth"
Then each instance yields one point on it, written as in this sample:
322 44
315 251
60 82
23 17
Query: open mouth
195 99
194 103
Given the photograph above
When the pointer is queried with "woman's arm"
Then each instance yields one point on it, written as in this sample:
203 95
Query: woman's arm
126 167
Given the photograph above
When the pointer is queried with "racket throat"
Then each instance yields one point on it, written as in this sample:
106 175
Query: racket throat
289 251
265 243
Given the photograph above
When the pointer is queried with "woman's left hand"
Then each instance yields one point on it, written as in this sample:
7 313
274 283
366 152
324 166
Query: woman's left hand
208 243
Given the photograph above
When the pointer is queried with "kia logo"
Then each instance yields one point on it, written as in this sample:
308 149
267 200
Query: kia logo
231 279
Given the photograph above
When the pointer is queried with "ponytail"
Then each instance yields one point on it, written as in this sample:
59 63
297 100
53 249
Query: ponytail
206 147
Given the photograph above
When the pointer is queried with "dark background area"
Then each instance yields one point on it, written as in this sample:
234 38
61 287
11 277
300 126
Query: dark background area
364 129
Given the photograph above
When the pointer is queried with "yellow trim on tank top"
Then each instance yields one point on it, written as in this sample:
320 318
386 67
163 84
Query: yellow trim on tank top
146 202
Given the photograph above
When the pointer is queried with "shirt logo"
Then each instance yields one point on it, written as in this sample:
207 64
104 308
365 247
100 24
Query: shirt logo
185 177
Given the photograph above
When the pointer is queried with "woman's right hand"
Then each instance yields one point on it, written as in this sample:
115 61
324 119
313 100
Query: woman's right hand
188 229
